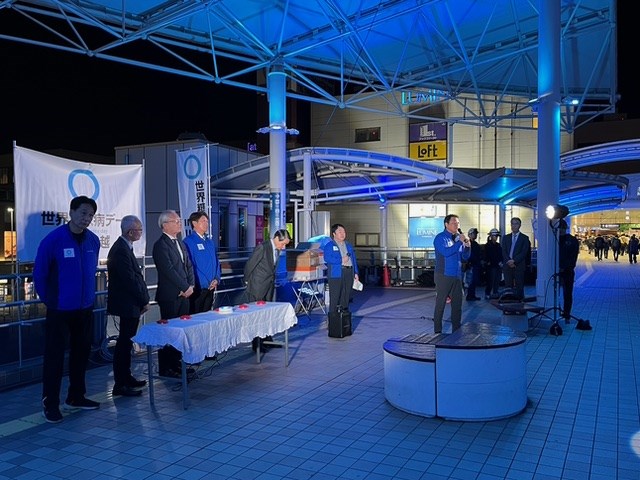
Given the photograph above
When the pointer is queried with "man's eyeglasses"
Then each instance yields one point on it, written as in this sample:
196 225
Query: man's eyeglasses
177 220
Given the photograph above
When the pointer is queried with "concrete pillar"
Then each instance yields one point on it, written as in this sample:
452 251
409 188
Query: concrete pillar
277 97
549 72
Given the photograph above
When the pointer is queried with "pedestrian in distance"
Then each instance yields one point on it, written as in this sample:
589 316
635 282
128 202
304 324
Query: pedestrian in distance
633 249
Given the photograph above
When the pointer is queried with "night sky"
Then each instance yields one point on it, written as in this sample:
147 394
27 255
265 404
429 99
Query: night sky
55 100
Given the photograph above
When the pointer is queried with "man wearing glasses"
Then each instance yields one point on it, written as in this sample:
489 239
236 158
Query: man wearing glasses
175 284
128 298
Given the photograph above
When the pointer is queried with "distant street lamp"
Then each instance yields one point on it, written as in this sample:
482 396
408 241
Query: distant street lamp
10 210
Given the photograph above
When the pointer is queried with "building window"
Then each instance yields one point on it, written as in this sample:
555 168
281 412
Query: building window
367 134
4 176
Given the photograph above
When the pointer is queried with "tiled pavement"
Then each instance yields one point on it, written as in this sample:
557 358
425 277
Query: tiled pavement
325 416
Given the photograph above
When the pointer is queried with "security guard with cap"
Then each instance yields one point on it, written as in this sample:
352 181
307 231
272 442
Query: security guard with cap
493 262
474 265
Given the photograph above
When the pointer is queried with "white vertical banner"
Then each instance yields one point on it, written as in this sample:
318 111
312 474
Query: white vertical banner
192 167
45 185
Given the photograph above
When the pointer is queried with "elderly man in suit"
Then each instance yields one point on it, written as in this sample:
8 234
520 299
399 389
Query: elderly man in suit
175 283
260 272
516 248
128 298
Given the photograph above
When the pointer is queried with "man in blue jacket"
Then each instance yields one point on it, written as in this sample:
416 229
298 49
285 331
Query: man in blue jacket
452 247
65 280
202 252
342 268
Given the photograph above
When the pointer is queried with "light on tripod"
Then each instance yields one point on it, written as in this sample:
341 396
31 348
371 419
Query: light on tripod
555 212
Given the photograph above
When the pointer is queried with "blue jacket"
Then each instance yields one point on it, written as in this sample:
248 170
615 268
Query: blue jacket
64 273
204 259
333 259
449 254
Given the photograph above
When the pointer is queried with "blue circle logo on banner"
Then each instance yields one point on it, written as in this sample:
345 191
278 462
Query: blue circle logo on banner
91 176
186 166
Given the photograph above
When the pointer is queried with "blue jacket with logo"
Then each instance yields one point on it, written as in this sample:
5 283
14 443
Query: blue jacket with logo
64 273
450 253
204 259
333 259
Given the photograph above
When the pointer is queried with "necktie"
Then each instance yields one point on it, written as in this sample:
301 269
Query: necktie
175 242
513 244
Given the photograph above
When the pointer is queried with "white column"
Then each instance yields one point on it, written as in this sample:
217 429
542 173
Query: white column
277 97
549 71
308 204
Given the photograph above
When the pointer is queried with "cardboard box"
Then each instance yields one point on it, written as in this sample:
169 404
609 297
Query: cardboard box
304 260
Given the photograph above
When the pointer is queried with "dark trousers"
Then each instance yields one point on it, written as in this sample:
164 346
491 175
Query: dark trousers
201 301
340 290
494 275
77 326
474 280
447 287
567 279
170 358
514 278
122 351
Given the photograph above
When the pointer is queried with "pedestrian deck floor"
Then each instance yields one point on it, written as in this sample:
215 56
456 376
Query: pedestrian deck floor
325 416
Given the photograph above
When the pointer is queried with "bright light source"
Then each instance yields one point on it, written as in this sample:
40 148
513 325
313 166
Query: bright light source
555 212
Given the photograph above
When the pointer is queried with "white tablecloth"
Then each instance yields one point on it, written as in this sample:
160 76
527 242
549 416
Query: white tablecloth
209 333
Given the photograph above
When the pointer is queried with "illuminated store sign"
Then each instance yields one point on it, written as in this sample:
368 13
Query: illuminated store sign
423 96
428 141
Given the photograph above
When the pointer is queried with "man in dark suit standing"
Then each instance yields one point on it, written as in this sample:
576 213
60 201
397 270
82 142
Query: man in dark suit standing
260 272
175 284
516 247
128 298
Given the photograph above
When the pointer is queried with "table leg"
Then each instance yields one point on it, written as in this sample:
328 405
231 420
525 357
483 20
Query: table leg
286 347
185 392
150 374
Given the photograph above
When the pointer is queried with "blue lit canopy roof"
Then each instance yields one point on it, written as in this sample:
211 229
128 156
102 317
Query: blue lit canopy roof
454 50
340 175
342 53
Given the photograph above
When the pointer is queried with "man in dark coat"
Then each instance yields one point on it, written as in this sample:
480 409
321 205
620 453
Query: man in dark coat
176 282
260 272
128 298
516 249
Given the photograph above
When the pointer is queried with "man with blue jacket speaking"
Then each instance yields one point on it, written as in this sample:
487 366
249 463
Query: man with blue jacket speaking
65 280
452 247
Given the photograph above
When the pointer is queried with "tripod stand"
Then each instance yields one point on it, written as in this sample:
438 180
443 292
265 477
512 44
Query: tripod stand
570 249
555 328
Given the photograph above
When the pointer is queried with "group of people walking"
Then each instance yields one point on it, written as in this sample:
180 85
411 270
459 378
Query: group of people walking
619 245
